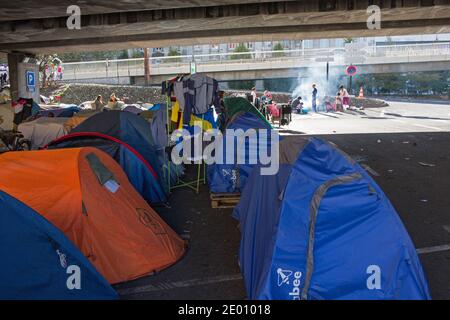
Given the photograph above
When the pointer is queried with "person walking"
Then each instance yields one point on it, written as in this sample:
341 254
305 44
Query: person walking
254 97
314 98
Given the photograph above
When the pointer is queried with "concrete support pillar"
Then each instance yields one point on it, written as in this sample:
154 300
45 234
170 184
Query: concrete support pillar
18 77
13 64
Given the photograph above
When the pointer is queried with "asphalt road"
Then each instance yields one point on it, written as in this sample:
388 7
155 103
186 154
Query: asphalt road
398 117
392 142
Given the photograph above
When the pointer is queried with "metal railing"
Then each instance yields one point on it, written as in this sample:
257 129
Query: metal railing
257 59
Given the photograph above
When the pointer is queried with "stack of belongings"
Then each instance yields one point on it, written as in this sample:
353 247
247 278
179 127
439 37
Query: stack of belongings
134 108
5 95
321 228
24 109
230 176
85 194
6 116
128 139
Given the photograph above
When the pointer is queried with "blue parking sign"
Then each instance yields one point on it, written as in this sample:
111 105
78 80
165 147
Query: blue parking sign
31 80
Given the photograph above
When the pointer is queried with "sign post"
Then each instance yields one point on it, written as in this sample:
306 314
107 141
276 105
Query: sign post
193 67
351 71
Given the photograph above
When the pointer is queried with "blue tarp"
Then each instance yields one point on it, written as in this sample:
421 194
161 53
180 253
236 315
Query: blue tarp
64 112
323 229
39 262
232 177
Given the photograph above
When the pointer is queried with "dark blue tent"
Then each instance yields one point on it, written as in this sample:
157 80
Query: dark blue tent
322 229
127 138
63 112
39 262
140 173
231 177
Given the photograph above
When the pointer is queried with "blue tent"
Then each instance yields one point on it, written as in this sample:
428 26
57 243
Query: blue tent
39 262
231 177
127 138
322 229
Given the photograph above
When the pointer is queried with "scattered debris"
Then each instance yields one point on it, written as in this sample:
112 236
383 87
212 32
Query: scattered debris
407 159
390 170
427 164
405 142
185 236
379 140
446 228
423 200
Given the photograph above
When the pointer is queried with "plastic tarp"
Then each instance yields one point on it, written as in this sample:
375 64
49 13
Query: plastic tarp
39 262
231 177
334 236
43 130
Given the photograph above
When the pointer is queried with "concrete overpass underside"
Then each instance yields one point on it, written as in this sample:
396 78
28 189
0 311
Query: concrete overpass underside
281 73
40 26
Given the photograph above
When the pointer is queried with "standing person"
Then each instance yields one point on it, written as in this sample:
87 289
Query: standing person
254 96
98 103
59 72
314 98
338 102
345 97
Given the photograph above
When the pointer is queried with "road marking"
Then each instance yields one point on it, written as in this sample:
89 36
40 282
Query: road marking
227 278
179 284
428 127
444 247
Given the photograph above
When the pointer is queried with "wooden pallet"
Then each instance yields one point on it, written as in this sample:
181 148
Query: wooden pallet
224 200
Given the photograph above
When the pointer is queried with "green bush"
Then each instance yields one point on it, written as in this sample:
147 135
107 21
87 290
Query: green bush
241 48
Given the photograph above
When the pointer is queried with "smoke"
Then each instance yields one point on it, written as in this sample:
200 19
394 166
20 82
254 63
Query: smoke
317 75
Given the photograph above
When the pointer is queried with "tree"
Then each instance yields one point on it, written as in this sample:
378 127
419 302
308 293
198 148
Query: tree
44 61
173 53
279 48
241 48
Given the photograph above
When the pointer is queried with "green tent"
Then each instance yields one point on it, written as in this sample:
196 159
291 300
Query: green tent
233 105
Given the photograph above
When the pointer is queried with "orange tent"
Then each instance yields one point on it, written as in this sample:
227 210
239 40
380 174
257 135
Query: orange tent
85 193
